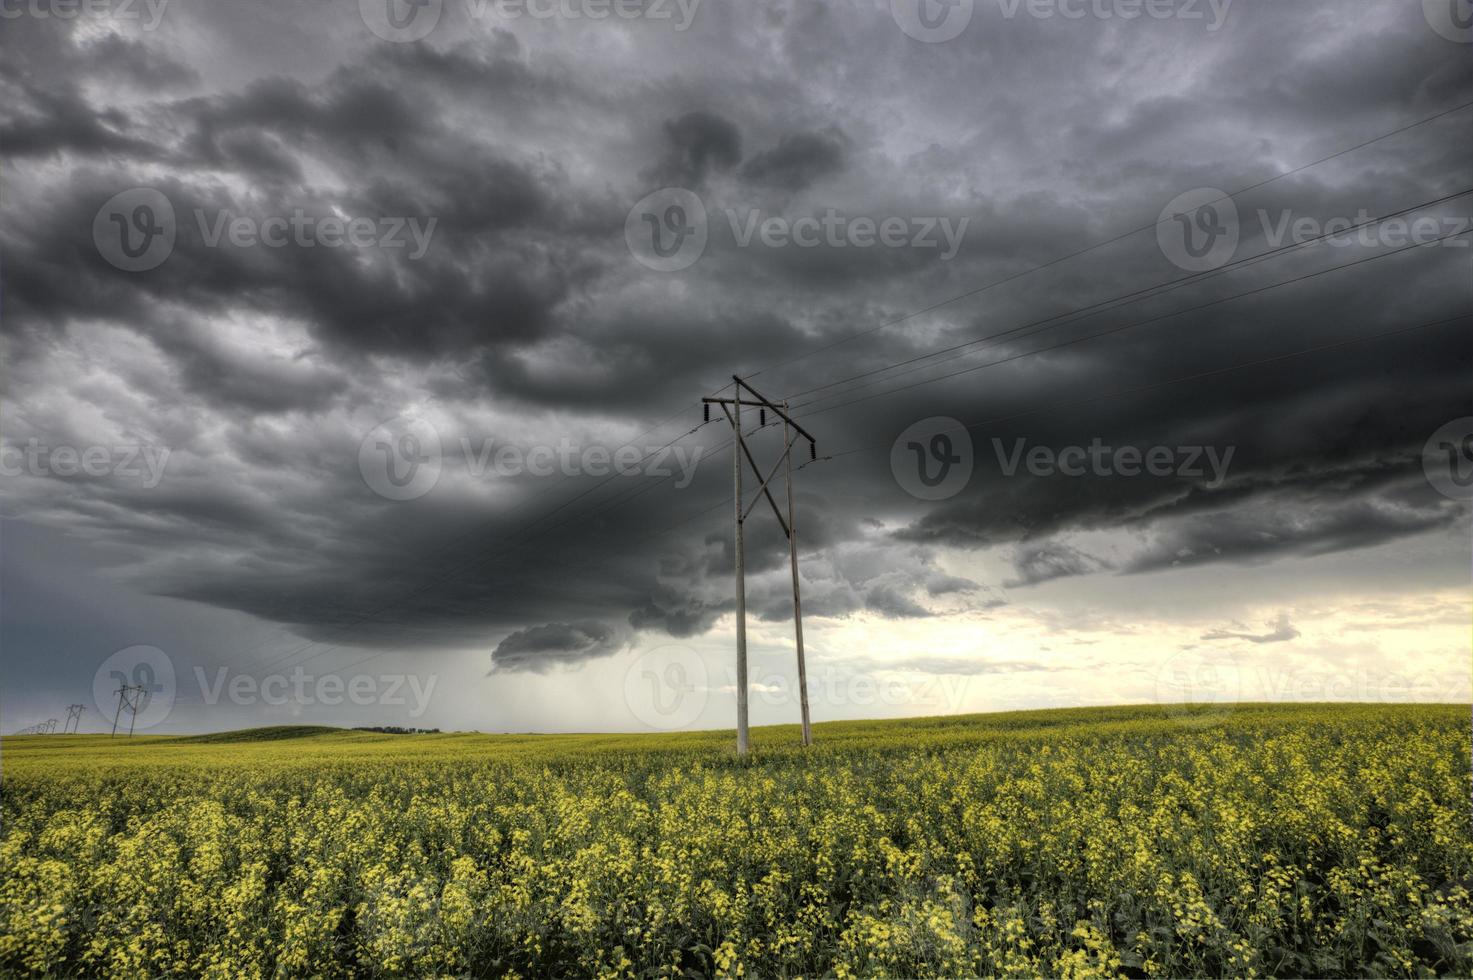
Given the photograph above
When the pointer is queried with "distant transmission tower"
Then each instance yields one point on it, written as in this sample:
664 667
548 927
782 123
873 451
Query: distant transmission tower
73 719
128 696
732 407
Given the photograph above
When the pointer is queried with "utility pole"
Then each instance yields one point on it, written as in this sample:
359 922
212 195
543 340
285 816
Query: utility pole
130 696
741 577
73 719
120 692
793 561
745 394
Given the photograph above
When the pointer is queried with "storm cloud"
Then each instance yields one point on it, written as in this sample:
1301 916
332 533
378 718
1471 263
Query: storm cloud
531 321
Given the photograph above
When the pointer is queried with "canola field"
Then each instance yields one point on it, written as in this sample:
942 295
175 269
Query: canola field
1123 842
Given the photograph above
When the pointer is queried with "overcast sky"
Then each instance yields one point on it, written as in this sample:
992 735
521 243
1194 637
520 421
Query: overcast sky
323 322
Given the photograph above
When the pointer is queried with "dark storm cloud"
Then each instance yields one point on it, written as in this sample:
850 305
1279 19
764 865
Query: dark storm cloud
1042 562
540 648
696 144
798 160
527 319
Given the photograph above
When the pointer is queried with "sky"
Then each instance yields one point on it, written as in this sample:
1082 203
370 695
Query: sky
354 355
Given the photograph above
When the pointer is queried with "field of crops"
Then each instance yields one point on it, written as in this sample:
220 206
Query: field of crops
1313 840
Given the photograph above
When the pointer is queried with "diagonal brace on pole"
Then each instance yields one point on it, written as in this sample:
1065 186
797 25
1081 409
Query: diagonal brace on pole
746 511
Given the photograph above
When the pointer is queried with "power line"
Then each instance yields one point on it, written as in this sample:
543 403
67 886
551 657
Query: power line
372 615
1110 241
1129 326
1183 379
1124 299
1118 329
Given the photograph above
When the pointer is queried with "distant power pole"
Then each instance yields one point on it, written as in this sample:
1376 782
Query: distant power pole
128 696
73 718
745 394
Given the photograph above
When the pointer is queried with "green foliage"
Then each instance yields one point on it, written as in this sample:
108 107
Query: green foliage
1265 841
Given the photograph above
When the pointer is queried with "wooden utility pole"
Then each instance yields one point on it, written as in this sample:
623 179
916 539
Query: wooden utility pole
745 394
793 560
741 581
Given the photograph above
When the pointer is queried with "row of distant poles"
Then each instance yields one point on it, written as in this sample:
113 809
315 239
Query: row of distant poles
129 696
48 727
744 394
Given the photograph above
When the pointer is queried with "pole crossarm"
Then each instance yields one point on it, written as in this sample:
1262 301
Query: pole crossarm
782 412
